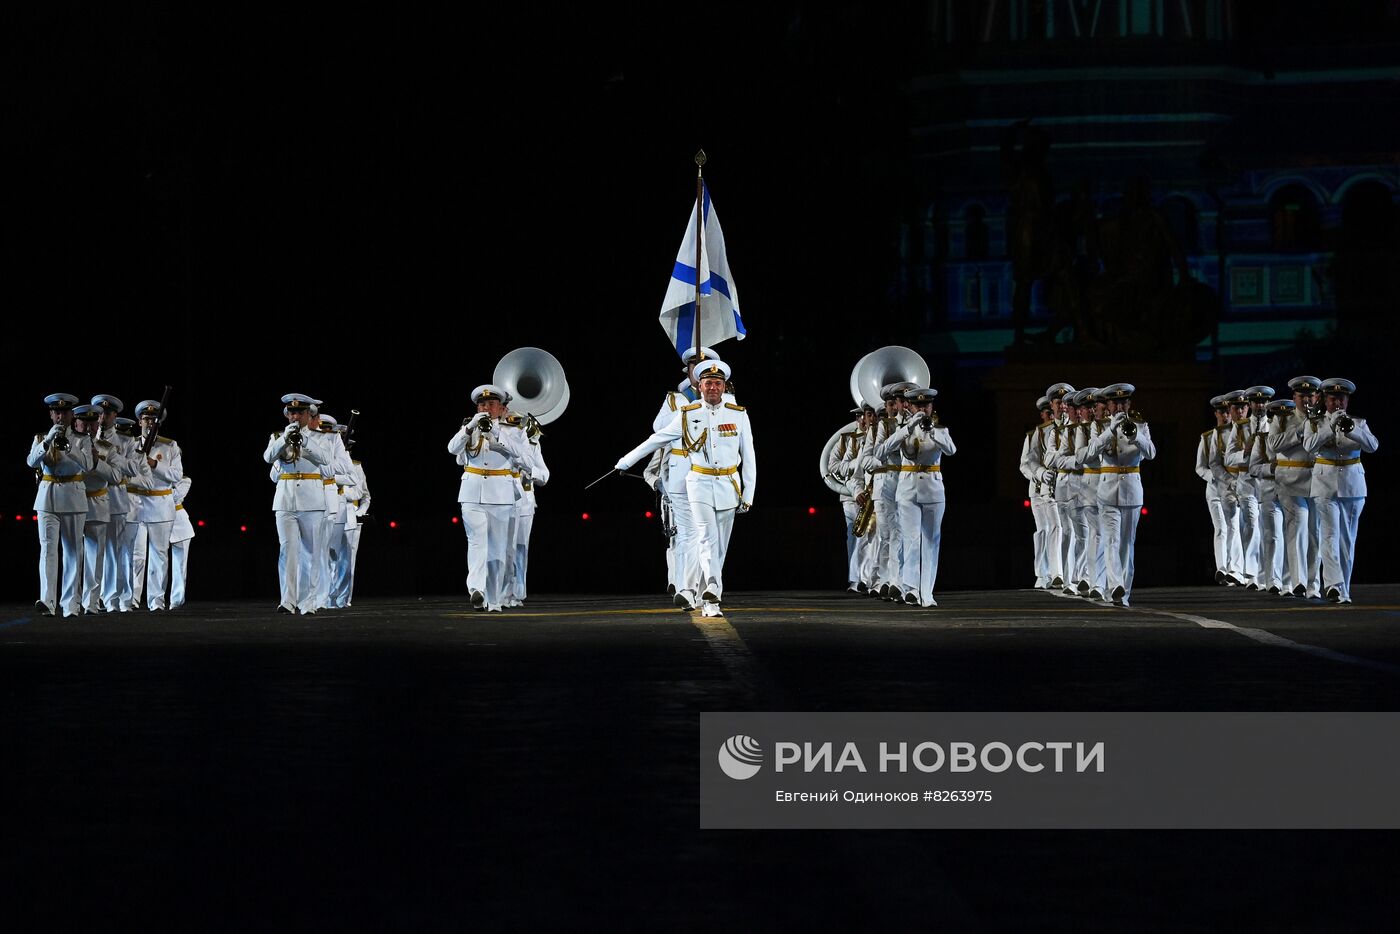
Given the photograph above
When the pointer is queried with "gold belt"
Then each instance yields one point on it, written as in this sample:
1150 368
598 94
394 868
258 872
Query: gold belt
715 471
328 481
920 468
73 479
680 452
140 492
1237 469
1093 470
93 494
1119 470
486 473
179 506
1346 463
299 476
1302 464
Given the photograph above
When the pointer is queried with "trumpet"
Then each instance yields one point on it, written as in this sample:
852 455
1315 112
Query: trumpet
1314 411
60 440
294 444
1345 423
1130 424
532 427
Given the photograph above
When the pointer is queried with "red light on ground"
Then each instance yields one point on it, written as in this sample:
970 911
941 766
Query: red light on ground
200 523
1026 503
19 518
242 528
648 513
585 517
811 510
393 525
34 518
1144 510
455 520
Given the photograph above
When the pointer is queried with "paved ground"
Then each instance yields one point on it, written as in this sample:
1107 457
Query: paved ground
413 765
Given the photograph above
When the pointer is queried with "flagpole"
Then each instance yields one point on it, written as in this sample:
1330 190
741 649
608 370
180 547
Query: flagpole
699 236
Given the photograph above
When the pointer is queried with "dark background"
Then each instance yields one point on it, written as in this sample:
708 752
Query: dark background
374 207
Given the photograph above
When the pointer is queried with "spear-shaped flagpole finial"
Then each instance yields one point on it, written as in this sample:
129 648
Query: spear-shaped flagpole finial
700 160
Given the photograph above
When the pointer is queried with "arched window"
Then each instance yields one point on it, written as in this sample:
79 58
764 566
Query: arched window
1294 219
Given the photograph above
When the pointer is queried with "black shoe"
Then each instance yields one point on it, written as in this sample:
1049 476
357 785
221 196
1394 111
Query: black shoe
911 598
1083 588
43 608
1274 588
1300 591
478 599
1057 583
1334 595
709 596
861 588
1118 594
1221 577
283 608
670 590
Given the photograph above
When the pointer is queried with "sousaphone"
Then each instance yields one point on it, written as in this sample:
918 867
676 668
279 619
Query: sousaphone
535 380
879 368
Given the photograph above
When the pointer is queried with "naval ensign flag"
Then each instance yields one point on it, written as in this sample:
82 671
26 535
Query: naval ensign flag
718 298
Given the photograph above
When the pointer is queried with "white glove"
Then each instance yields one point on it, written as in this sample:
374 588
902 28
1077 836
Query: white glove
743 508
1047 475
621 465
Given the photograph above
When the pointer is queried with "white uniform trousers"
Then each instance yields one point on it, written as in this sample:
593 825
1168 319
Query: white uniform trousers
1094 569
1040 512
1064 511
345 587
922 528
65 530
341 571
850 510
1302 523
890 543
713 526
1054 562
1079 555
1234 554
1248 515
1218 525
116 565
1270 542
179 571
127 593
94 557
296 557
1339 518
520 554
1120 539
685 546
325 543
488 542
150 563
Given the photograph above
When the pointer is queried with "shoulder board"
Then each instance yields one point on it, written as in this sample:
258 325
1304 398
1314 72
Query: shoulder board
1206 433
693 405
38 437
164 440
737 408
277 434
355 462
671 400
852 434
513 421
